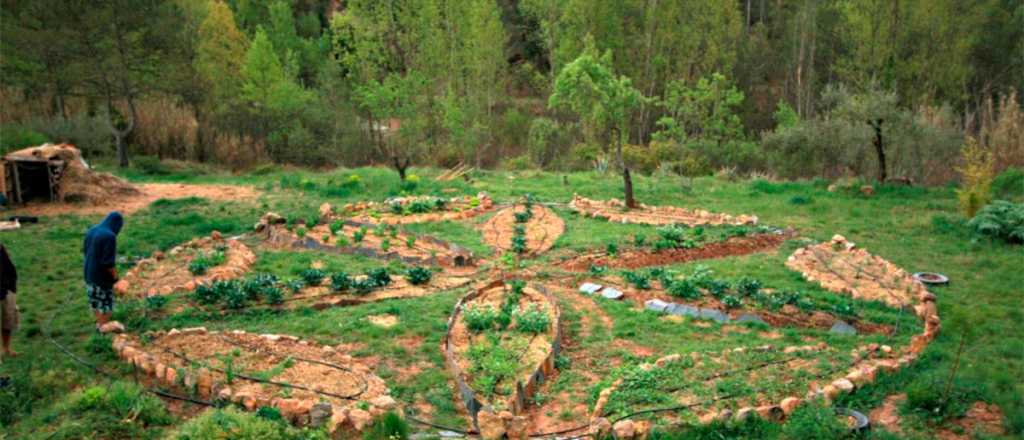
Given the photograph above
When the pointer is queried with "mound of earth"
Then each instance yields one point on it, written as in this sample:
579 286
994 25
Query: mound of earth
163 273
841 267
497 403
308 383
615 210
146 194
542 229
418 209
321 297
635 258
369 240
73 179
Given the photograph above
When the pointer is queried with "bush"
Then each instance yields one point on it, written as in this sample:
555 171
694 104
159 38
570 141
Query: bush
378 277
231 423
532 319
977 175
639 280
1000 220
418 276
390 426
1009 185
542 141
14 137
927 396
340 282
150 165
479 318
312 277
685 289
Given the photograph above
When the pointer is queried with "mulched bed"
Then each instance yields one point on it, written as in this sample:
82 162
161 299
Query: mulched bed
614 210
163 273
456 209
543 228
635 258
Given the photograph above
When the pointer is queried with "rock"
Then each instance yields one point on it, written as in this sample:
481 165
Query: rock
600 427
789 404
624 429
216 235
171 376
642 429
744 413
842 328
384 402
843 385
667 359
611 293
271 338
325 210
518 428
492 427
320 413
112 327
771 412
590 288
121 286
359 418
224 393
656 305
867 190
714 315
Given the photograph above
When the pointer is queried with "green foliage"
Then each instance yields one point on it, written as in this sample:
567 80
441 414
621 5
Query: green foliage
611 249
532 319
748 287
640 280
542 141
479 318
340 282
358 235
14 137
1009 185
379 277
418 276
704 119
977 174
1000 220
938 397
202 262
389 426
684 288
156 303
119 401
731 301
814 421
491 365
312 277
238 425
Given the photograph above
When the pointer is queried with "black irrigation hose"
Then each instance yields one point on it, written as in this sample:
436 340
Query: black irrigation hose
269 382
364 384
48 330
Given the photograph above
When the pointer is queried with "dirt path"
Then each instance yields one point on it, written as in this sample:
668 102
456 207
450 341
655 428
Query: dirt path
543 228
149 193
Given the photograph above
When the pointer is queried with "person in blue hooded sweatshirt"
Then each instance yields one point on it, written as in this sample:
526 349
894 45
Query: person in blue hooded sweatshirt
100 250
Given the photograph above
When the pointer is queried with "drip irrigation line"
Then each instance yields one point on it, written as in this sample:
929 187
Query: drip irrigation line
258 380
48 330
365 385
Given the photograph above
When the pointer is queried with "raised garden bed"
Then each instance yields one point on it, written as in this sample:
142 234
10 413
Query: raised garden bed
645 257
417 209
501 344
614 210
308 383
196 262
377 241
540 228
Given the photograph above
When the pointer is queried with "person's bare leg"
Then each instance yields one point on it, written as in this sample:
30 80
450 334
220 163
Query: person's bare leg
7 344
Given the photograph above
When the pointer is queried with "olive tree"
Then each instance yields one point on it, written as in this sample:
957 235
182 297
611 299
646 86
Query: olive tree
588 87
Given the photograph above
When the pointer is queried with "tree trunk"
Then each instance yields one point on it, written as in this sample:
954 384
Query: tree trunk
400 166
879 148
627 180
122 152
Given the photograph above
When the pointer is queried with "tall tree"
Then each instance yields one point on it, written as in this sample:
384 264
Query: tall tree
273 96
589 88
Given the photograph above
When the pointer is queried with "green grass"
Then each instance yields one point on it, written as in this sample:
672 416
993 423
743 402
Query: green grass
916 228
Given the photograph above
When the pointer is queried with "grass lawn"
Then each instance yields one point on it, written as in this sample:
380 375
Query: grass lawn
917 229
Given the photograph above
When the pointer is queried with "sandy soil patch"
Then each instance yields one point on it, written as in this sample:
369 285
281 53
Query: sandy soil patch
614 210
386 321
634 258
542 229
148 193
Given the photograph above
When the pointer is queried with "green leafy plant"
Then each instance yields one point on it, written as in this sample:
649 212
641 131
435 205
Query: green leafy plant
385 244
273 295
748 287
611 249
685 289
479 318
336 227
522 216
312 277
379 277
300 231
532 319
639 240
410 241
596 270
359 234
639 280
156 303
1000 220
340 282
418 276
731 301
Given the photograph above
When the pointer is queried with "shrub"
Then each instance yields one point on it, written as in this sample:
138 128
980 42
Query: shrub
684 289
479 318
13 137
844 309
235 298
300 231
748 287
541 141
379 277
611 249
389 426
385 244
358 235
336 226
363 286
637 279
639 240
532 319
927 396
977 174
340 282
273 295
410 241
1009 185
312 277
418 276
519 244
731 301
1001 220
236 424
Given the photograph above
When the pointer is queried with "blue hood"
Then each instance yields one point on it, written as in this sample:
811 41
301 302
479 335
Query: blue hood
113 222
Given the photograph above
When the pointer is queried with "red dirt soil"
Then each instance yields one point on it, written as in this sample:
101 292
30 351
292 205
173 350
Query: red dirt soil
543 228
634 258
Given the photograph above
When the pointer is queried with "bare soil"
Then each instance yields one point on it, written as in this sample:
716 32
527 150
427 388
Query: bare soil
615 210
164 274
147 194
981 418
543 228
635 258
887 416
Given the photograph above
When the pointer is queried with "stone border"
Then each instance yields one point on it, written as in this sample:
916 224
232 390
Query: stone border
300 412
614 211
863 371
239 259
493 424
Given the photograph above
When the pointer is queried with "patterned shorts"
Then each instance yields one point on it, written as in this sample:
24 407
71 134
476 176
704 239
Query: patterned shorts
101 299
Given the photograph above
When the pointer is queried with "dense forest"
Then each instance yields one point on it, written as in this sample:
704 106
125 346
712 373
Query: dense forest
886 90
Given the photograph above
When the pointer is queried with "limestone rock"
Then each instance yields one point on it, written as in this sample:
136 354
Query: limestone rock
789 404
492 427
359 418
624 429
